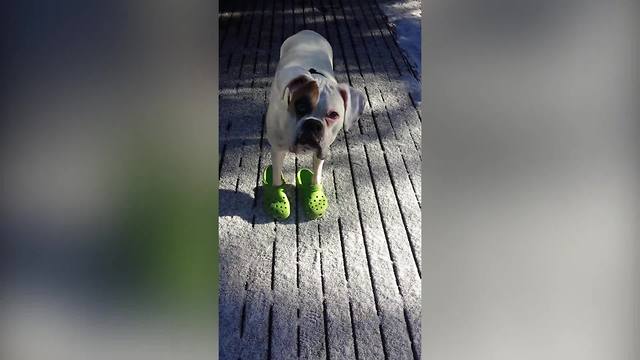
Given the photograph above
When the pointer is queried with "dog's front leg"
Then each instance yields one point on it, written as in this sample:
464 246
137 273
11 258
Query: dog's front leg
277 158
317 169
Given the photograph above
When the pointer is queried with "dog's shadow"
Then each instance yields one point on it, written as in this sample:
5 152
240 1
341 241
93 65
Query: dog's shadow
251 209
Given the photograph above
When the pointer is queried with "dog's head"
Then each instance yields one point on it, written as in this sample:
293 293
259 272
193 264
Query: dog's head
321 108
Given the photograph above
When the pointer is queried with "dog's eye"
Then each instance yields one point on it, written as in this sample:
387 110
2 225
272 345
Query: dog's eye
333 115
302 106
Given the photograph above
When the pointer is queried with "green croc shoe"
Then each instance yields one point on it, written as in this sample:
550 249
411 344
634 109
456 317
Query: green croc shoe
276 202
313 198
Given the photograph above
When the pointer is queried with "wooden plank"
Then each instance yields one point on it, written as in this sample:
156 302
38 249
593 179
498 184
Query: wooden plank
312 335
338 327
395 149
394 330
399 176
393 46
261 78
312 342
401 94
395 87
289 21
362 307
249 303
299 21
284 335
232 258
229 19
406 271
237 28
233 72
258 311
259 267
371 35
398 149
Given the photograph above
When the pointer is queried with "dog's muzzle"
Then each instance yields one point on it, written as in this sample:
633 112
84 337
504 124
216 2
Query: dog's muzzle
310 133
309 137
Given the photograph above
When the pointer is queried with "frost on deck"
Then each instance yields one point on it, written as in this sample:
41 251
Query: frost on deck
346 286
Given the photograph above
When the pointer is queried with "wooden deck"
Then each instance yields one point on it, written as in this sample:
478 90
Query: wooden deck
346 286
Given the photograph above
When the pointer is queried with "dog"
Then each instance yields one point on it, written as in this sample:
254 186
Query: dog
307 106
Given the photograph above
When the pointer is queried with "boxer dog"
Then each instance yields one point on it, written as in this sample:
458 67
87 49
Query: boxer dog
307 106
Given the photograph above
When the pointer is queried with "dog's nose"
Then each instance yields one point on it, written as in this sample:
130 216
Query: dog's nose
312 126
311 132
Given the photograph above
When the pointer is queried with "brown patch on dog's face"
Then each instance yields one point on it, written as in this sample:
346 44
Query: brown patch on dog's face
303 95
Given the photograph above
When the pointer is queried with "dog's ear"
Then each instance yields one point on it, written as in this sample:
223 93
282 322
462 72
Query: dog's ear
354 103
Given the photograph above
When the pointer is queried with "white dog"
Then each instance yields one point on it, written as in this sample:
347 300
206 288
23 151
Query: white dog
307 109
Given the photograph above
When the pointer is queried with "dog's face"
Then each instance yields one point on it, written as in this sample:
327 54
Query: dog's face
319 109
